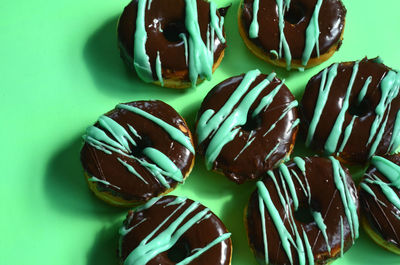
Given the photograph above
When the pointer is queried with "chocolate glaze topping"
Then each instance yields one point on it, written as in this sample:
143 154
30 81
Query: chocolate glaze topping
320 203
109 169
297 18
250 154
164 21
369 131
144 221
381 213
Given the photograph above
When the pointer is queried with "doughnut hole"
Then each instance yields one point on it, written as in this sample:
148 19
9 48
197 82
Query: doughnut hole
173 29
252 123
304 213
360 109
179 251
295 14
137 150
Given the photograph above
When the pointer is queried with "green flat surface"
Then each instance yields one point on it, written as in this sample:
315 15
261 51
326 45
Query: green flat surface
60 69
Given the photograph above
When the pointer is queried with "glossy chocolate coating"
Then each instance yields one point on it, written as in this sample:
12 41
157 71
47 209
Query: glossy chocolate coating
107 168
325 198
331 23
251 163
197 236
356 149
162 14
380 215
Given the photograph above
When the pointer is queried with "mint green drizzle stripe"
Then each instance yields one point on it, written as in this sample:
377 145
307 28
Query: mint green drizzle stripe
208 122
140 58
250 139
284 235
267 100
158 69
395 141
200 58
300 163
272 151
312 35
347 133
164 163
364 89
286 174
185 43
326 83
216 23
322 227
175 133
202 250
94 179
310 255
132 170
333 138
299 181
291 105
389 193
294 124
264 230
101 141
147 249
254 27
282 42
281 199
347 200
389 84
238 117
389 169
378 138
117 131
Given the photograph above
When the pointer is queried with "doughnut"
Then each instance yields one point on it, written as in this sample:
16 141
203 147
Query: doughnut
172 43
304 212
380 201
247 125
137 151
174 230
293 34
351 110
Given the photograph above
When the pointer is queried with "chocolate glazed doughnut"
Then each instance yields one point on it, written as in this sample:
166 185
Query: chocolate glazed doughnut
247 125
352 110
380 201
296 33
174 230
304 212
137 151
172 42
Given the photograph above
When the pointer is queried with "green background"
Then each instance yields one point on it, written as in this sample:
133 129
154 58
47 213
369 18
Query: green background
60 69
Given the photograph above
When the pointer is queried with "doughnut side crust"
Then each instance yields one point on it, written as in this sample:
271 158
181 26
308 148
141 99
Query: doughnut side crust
351 110
174 230
137 151
247 125
380 197
304 212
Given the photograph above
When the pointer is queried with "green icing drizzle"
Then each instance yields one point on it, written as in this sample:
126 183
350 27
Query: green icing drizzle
140 58
148 249
295 123
300 163
132 170
254 27
390 88
272 151
310 255
250 139
164 163
175 133
395 141
158 69
333 138
312 35
347 200
267 100
291 105
378 137
322 227
364 89
286 174
389 169
264 230
389 192
347 133
282 42
185 43
216 23
94 179
341 236
284 234
326 83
